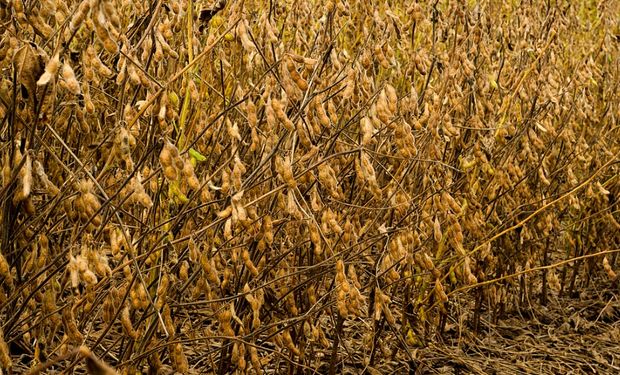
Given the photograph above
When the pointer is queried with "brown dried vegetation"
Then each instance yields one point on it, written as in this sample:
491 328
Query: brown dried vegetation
294 186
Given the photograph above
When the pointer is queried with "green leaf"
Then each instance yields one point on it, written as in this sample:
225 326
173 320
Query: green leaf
196 155
175 192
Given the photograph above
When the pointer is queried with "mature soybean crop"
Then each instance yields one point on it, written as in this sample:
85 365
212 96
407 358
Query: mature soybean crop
297 186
